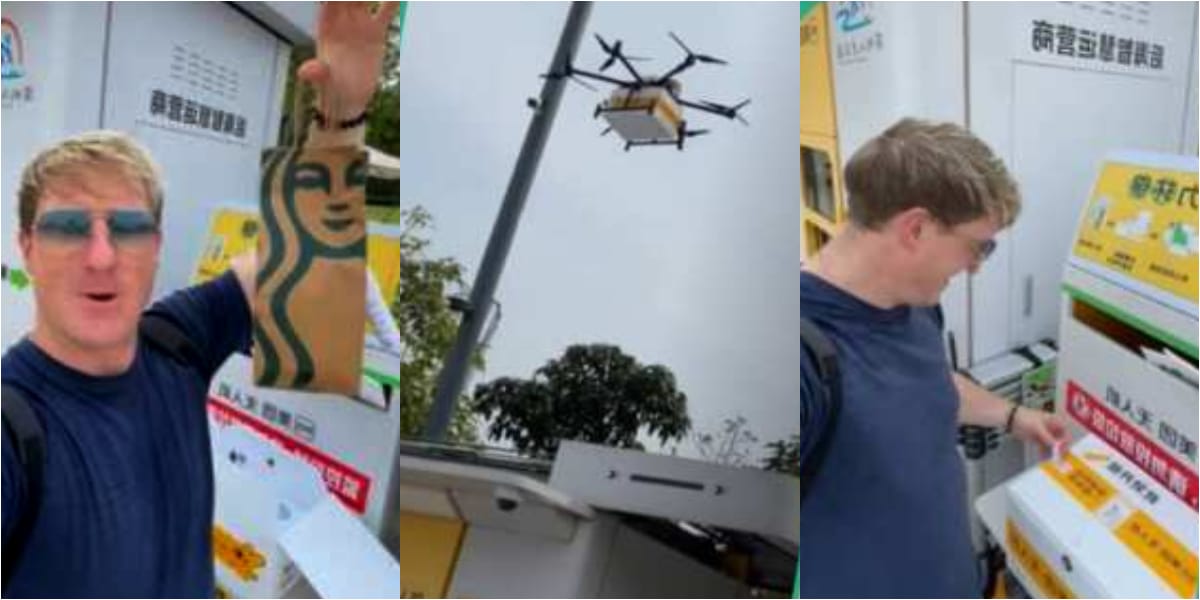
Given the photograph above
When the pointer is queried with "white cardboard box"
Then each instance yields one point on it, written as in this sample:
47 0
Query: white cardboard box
1096 526
276 524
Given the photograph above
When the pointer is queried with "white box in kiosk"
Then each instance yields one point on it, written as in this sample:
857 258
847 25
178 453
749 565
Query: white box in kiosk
282 525
350 442
1093 525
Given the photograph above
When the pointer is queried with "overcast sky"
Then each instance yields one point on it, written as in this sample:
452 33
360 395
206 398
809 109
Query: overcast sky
688 259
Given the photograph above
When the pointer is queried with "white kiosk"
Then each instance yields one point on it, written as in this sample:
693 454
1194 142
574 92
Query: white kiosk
1116 516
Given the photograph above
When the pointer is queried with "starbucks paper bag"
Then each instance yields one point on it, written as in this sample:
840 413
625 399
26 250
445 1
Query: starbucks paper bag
310 293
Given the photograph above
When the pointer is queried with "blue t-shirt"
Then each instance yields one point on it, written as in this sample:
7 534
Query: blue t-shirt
127 503
886 516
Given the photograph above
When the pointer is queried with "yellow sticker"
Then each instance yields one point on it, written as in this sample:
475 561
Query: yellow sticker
1083 484
1034 565
1169 559
1141 222
383 257
241 557
232 232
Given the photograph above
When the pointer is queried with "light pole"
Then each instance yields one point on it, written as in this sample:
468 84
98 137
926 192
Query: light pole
455 370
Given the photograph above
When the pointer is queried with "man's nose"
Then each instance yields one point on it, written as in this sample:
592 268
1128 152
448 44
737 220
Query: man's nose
100 252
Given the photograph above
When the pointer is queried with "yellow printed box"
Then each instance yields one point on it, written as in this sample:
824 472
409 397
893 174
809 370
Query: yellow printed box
1094 525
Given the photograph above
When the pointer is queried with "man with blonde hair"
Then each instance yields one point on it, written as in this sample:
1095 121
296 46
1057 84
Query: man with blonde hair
122 505
886 514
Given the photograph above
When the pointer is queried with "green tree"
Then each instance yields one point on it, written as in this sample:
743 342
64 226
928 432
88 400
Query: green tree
592 393
383 114
427 328
783 456
728 446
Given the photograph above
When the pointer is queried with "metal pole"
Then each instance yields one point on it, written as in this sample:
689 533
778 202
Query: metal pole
454 374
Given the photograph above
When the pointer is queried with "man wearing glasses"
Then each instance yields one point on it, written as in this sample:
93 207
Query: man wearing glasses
126 503
887 515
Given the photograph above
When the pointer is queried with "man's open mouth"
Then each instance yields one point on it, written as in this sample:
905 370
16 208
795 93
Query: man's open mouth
101 297
337 225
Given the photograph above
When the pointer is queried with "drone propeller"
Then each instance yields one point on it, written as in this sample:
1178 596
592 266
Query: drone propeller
730 112
695 132
737 115
614 54
704 58
604 45
680 42
605 132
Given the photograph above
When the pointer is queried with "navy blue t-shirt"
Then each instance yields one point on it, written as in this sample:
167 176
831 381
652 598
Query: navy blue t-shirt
127 506
886 516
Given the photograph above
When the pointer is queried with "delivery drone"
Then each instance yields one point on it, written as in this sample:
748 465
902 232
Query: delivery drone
647 111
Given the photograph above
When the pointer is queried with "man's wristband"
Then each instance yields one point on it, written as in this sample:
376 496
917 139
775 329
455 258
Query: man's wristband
1012 413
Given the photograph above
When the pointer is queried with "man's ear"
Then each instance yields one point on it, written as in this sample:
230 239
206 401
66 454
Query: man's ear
25 245
909 226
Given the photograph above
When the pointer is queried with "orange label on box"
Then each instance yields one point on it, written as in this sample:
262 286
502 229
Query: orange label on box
1034 565
241 557
1091 490
1169 559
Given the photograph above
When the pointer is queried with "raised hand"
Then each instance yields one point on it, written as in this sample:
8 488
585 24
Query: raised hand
351 43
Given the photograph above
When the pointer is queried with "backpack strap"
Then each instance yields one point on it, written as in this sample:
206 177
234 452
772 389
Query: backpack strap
825 357
161 330
24 430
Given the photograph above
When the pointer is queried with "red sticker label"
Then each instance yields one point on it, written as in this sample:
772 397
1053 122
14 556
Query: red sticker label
347 484
1126 439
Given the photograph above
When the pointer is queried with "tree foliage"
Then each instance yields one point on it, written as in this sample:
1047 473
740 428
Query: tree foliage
427 328
783 456
728 446
592 393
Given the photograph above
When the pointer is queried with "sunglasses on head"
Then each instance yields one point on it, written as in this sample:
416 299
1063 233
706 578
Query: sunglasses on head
74 225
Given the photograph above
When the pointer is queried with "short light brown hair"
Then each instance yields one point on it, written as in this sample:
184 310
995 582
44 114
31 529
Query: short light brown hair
74 156
940 167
